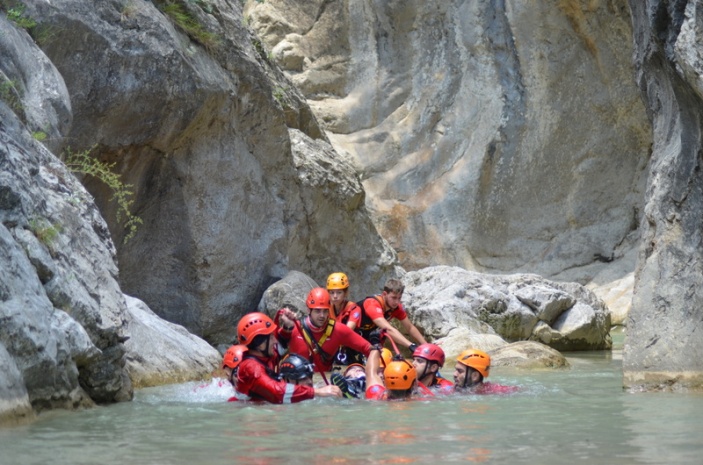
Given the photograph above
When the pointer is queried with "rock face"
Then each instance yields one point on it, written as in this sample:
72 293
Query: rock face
63 316
564 316
503 136
663 348
199 125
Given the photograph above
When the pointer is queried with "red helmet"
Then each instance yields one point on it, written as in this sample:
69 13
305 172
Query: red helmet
318 298
233 356
431 352
253 324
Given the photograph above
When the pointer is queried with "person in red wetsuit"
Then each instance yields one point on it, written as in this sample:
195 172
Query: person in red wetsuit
399 377
345 312
257 377
318 337
230 364
427 360
470 372
297 370
379 309
231 360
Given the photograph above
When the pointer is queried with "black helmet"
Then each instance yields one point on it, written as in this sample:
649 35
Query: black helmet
293 367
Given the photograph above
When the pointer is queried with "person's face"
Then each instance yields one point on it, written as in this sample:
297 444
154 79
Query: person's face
272 344
420 365
337 296
355 372
393 299
460 373
319 316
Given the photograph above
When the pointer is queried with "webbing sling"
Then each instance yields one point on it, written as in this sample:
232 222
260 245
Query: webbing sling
307 335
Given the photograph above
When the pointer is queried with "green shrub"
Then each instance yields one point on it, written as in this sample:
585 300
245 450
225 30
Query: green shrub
10 94
185 20
15 13
83 163
44 230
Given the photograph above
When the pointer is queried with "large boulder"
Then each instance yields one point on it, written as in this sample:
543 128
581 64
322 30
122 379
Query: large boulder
159 352
503 136
529 355
565 316
198 123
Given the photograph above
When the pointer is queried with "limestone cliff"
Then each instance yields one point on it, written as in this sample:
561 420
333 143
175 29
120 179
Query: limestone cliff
664 347
497 135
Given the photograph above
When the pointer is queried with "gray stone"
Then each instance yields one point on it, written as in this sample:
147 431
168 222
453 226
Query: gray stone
159 352
440 299
291 292
14 400
527 354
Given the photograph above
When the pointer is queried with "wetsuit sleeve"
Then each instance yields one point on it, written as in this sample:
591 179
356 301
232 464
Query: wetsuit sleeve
298 345
354 314
253 381
375 392
352 340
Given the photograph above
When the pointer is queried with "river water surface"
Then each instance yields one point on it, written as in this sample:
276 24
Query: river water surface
575 416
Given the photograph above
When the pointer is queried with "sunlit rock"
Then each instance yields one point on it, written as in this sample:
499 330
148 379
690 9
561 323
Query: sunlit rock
565 316
159 352
527 354
504 136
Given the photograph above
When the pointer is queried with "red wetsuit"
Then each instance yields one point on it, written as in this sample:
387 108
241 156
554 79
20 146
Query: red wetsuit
341 335
438 386
374 308
255 379
350 312
376 392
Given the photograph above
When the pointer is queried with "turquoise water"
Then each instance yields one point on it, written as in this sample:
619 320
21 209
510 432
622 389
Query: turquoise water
580 415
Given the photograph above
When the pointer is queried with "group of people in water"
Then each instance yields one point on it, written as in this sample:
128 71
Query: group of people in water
275 359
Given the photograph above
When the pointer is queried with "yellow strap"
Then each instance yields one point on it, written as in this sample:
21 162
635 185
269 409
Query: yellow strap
330 327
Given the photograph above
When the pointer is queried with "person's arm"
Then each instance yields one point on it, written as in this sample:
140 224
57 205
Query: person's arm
372 364
413 331
392 332
329 390
258 384
354 317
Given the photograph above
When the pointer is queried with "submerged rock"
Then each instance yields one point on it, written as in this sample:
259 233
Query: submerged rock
527 354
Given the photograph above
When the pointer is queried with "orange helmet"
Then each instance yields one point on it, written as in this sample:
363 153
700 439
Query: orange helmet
431 352
337 281
234 356
399 376
479 361
253 324
318 298
386 356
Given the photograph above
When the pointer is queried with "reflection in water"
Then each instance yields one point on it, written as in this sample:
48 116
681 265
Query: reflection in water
579 416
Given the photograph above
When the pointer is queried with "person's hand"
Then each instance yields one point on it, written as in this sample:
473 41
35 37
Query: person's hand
287 318
377 336
328 391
